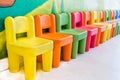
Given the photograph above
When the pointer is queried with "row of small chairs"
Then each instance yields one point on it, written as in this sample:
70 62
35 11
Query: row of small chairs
106 15
51 35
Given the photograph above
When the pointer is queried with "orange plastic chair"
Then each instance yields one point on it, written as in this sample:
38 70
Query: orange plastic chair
87 18
112 15
101 32
45 27
102 16
21 41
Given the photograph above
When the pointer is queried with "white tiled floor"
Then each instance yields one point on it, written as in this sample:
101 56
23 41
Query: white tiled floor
100 63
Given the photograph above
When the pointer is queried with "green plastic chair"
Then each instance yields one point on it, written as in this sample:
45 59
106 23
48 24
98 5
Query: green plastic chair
63 22
107 15
117 27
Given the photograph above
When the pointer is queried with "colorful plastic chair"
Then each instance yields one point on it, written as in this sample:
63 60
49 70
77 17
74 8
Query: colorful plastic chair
111 17
79 36
95 19
112 14
119 14
77 23
114 29
117 26
95 16
87 18
108 26
107 15
64 41
108 30
21 41
116 14
102 16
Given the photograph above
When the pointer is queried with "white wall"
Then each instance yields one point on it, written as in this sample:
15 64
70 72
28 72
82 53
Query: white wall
86 5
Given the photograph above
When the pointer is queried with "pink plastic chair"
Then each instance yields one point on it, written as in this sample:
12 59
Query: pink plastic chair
78 22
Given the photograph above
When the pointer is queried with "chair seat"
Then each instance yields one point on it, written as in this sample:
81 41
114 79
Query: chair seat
31 44
60 38
113 23
91 31
108 26
101 27
79 34
75 32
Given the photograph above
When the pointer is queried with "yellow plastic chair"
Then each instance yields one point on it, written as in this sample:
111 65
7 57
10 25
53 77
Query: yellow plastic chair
95 16
21 41
108 30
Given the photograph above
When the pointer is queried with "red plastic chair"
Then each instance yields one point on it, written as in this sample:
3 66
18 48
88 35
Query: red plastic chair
78 22
45 27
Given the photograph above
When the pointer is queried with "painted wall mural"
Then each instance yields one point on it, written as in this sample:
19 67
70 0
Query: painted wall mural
20 8
6 3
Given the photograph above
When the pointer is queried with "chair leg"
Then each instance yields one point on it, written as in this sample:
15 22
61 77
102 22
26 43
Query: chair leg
82 44
102 37
98 37
74 49
56 56
30 67
47 61
112 32
106 34
13 61
116 30
93 41
88 43
67 52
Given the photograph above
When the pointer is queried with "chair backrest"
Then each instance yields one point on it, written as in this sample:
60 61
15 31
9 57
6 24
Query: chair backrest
107 15
63 21
95 16
77 19
119 14
112 14
116 14
44 24
102 16
88 18
20 26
